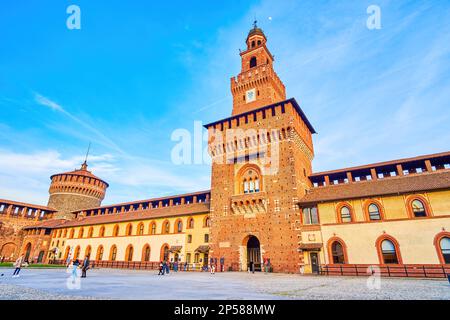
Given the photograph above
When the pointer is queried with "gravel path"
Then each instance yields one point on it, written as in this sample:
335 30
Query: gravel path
15 292
128 284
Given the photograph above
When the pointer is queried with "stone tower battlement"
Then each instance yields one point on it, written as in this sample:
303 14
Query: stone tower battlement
75 190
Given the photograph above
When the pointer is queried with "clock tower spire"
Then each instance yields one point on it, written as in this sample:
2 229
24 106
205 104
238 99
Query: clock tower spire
258 84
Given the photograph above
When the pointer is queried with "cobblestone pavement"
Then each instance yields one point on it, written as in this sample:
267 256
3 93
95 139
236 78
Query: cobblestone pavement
126 284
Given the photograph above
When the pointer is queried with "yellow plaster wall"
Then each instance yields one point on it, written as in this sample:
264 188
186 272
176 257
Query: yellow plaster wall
415 237
138 242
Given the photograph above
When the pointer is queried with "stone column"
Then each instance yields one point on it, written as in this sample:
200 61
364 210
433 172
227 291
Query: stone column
373 173
428 165
399 170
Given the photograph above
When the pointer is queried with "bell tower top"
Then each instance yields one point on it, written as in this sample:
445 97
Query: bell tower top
258 84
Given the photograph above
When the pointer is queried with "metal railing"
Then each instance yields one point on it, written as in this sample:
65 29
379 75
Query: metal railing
406 270
138 265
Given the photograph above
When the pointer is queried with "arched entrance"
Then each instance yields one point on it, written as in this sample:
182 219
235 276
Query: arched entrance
8 251
41 257
253 253
27 251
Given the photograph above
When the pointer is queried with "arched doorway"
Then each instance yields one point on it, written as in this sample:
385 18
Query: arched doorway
8 251
164 253
27 251
41 257
253 253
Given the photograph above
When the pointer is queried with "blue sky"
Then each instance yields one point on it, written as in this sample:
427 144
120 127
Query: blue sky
136 72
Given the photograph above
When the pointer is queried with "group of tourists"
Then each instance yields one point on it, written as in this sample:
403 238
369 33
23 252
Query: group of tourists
163 268
266 266
75 265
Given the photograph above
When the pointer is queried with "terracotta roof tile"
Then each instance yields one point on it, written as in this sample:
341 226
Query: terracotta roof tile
395 185
28 205
385 163
48 224
194 208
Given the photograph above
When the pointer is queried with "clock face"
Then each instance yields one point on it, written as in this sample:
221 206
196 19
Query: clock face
250 95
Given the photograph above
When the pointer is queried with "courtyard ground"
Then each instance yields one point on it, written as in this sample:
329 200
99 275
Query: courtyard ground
127 284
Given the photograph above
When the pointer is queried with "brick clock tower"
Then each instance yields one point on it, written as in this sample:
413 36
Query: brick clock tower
261 160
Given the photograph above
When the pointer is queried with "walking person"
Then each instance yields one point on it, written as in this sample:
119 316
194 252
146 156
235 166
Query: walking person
75 265
252 267
18 266
85 267
161 269
222 264
69 259
212 268
167 267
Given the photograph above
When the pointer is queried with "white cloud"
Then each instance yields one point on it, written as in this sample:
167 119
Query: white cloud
95 134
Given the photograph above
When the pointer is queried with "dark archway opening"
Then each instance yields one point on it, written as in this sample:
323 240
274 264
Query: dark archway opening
27 252
253 254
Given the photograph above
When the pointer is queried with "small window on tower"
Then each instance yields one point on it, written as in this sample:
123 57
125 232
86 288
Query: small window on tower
253 44
253 62
259 42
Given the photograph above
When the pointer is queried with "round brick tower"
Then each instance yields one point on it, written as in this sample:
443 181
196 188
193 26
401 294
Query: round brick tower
75 190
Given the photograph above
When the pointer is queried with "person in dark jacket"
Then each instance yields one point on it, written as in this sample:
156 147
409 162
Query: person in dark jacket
161 269
85 267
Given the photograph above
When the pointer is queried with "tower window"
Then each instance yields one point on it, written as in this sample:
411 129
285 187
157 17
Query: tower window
259 42
418 209
253 44
253 62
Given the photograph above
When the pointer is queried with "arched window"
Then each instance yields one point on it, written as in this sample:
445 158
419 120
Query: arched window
252 61
346 215
246 187
140 229
90 232
251 186
253 44
99 253
164 255
418 208
207 222
101 232
129 229
113 253
250 180
389 252
179 226
256 185
444 246
146 253
374 212
191 223
153 228
88 251
337 252
76 254
129 253
116 230
166 227
259 42
81 233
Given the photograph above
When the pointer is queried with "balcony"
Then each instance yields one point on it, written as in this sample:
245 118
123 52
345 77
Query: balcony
249 204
